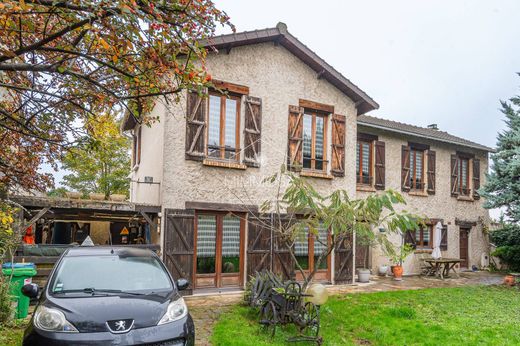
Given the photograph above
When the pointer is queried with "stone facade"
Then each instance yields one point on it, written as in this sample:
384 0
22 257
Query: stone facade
280 79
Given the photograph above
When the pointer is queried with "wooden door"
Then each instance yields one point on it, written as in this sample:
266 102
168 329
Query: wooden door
219 250
463 246
178 244
343 261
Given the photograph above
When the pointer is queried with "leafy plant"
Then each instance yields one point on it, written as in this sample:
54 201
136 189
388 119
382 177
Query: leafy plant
398 255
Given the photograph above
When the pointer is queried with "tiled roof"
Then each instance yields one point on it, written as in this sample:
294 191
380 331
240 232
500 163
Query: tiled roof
423 132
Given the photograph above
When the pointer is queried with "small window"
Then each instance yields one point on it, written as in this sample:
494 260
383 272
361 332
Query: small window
223 125
314 140
416 169
136 147
364 162
423 238
464 177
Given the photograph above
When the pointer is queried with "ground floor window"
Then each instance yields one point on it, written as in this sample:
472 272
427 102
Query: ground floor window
309 249
218 255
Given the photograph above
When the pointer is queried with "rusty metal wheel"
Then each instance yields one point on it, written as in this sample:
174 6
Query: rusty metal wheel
312 320
269 317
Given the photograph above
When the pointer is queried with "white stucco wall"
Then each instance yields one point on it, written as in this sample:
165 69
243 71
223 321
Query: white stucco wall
439 206
280 79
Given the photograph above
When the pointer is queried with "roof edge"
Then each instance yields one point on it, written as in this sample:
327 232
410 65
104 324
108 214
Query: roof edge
381 127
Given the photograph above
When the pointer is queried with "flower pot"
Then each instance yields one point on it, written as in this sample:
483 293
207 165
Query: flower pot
363 275
383 269
97 196
73 195
117 197
398 273
509 280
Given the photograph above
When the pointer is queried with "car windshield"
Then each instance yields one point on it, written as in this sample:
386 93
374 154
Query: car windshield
110 273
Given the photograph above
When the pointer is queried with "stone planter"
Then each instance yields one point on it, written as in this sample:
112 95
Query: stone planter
97 196
383 269
73 195
363 275
117 197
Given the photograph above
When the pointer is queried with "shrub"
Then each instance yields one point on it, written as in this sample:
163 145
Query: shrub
507 240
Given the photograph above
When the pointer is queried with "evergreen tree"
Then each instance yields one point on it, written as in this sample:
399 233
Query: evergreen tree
502 188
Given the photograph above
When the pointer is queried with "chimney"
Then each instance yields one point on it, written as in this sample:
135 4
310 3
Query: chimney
433 126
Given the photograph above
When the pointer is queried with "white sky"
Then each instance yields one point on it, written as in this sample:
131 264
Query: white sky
444 62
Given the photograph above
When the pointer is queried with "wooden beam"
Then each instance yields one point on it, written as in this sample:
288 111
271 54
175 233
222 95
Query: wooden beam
35 218
316 106
152 224
227 207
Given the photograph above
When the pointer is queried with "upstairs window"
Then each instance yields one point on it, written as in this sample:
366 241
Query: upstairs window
416 169
223 126
364 162
136 147
465 176
464 188
314 140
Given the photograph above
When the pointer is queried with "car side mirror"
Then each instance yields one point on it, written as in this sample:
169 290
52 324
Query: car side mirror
182 284
30 290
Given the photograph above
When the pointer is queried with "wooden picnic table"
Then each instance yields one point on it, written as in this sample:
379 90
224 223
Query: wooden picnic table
442 266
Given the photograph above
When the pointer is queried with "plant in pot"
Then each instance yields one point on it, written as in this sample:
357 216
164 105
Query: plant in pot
397 257
366 242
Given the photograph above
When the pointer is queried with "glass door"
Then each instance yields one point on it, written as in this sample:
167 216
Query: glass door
218 251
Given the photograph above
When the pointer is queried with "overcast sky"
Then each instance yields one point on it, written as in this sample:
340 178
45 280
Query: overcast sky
444 62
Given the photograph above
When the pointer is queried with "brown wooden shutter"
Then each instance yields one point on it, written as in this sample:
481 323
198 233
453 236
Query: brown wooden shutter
294 151
476 178
444 238
409 238
178 244
431 172
195 124
405 168
380 165
454 175
258 244
338 145
344 259
252 131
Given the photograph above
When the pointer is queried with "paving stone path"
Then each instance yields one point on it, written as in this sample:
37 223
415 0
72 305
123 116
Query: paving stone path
206 309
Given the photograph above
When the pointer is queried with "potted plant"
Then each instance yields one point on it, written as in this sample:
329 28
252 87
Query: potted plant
398 257
383 269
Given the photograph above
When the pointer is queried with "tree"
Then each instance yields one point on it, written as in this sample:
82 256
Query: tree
299 210
62 62
102 164
502 188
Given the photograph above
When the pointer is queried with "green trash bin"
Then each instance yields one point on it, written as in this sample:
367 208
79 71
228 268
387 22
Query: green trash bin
22 274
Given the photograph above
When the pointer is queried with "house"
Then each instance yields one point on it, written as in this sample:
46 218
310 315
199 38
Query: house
206 159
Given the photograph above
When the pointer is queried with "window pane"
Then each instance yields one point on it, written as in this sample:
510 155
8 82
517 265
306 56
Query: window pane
418 169
320 134
357 158
214 126
426 237
464 173
301 251
230 127
206 241
366 163
320 248
418 237
230 244
307 140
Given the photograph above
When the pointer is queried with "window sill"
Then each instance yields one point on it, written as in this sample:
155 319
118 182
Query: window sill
224 164
314 174
365 188
465 198
418 193
419 251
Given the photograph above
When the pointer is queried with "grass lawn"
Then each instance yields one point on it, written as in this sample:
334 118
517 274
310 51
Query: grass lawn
11 335
473 315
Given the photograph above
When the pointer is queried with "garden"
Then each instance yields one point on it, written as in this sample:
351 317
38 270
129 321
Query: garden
472 315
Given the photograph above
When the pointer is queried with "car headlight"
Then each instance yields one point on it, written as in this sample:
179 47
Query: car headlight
52 320
176 310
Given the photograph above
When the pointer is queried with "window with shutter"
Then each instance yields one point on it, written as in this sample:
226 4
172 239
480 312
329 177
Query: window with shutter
338 145
409 238
314 140
416 169
405 168
294 150
136 147
431 172
444 238
364 161
476 178
454 175
195 125
252 131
